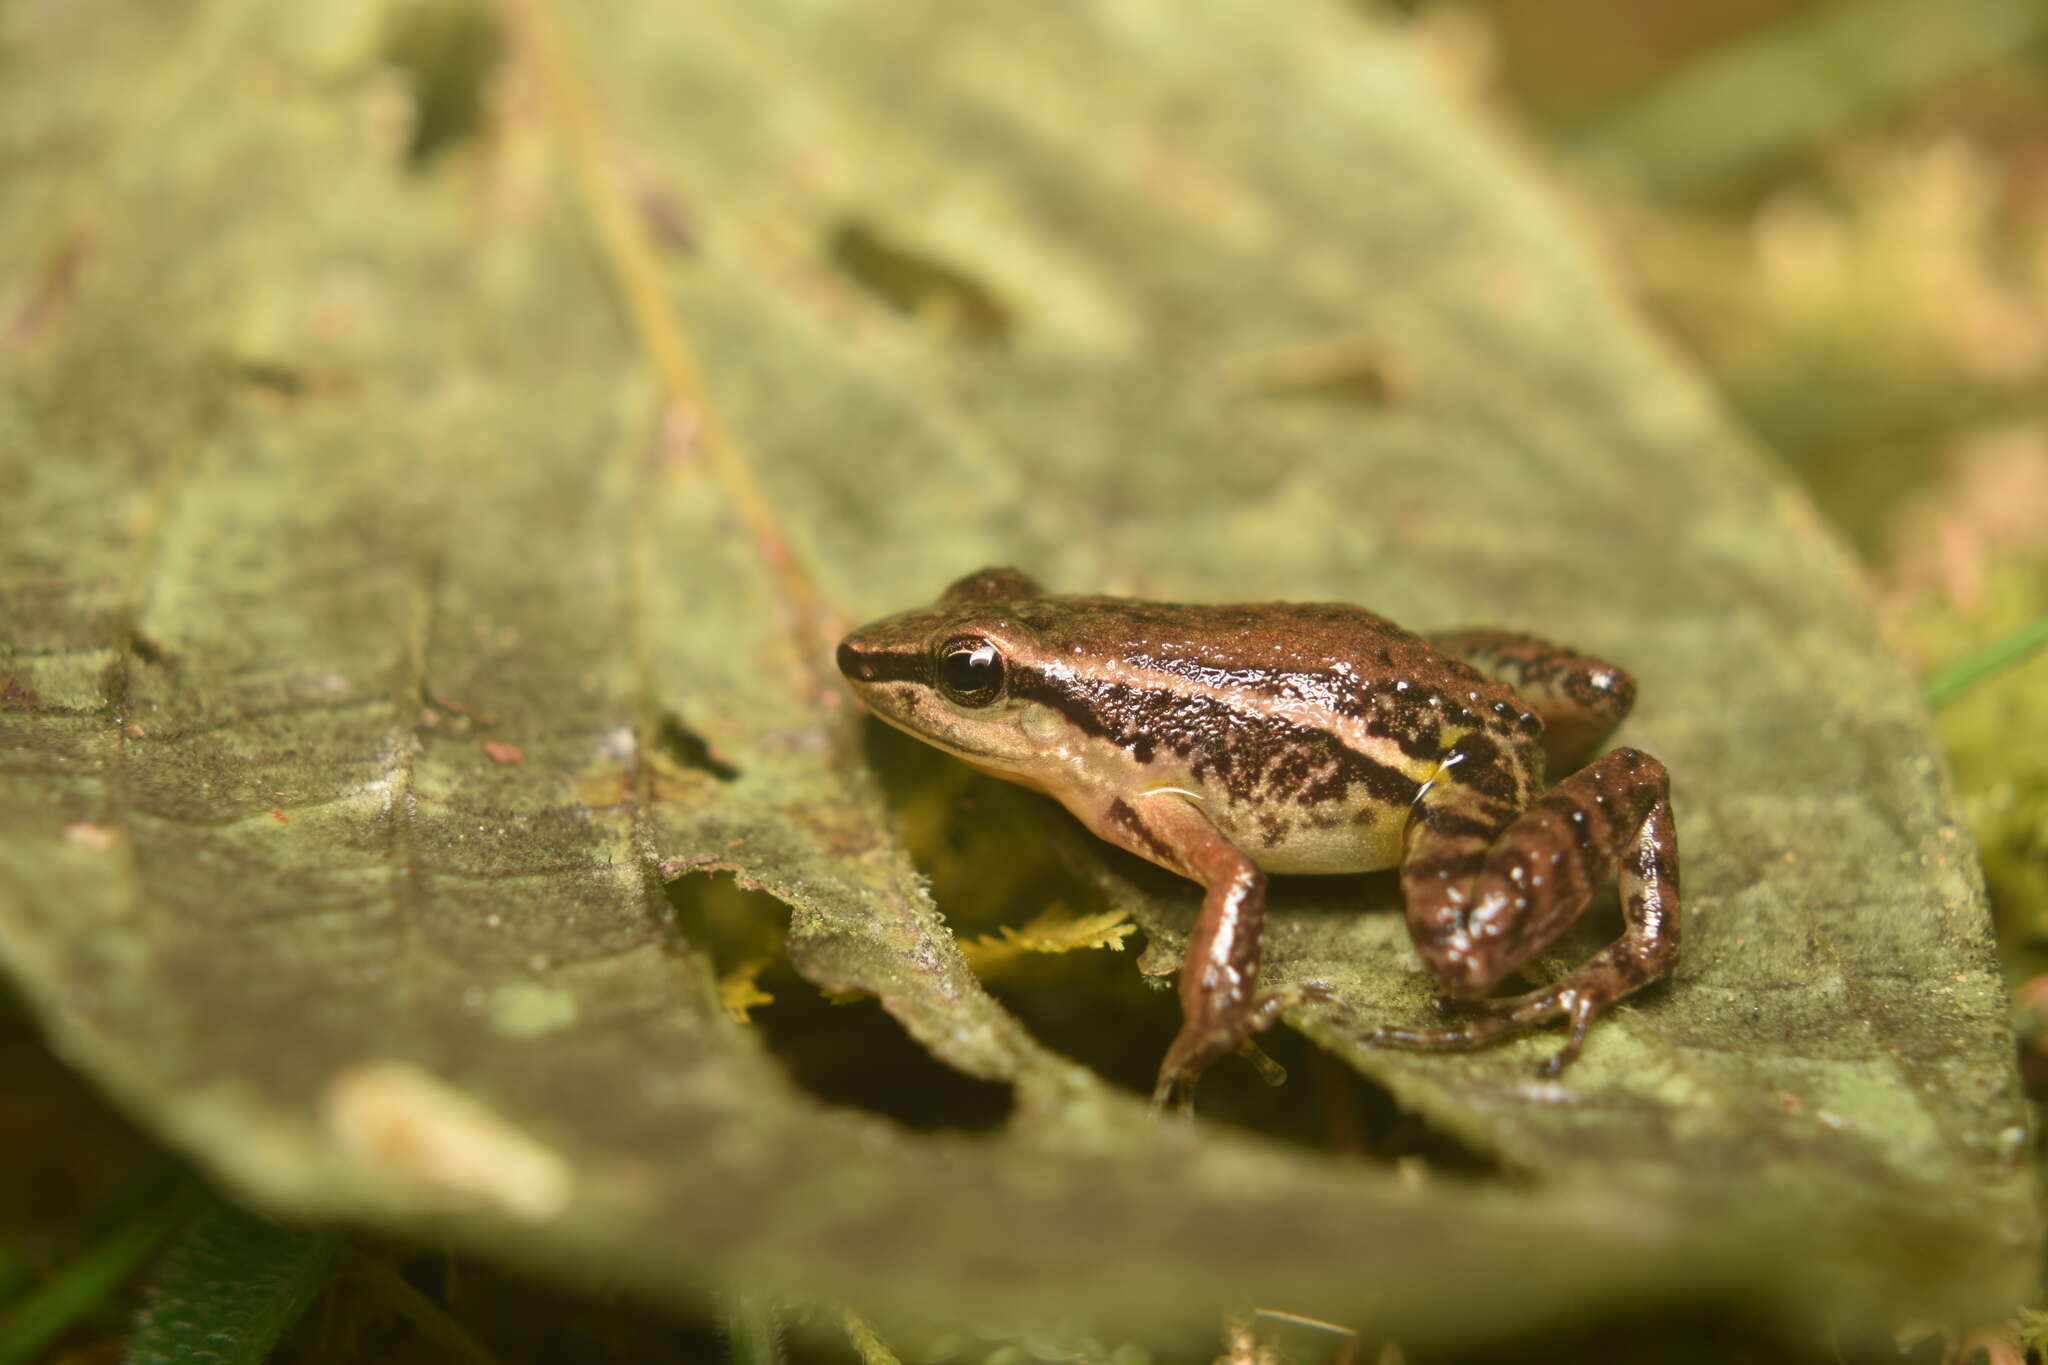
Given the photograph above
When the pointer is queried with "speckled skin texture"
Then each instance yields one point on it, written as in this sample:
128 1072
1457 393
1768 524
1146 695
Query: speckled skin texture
1228 741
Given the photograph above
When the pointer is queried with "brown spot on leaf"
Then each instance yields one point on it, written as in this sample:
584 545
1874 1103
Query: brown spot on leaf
669 222
280 383
945 298
439 705
150 650
46 295
1349 369
19 696
686 747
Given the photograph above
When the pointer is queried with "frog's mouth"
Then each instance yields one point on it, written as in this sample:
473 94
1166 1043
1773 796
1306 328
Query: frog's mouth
914 711
902 707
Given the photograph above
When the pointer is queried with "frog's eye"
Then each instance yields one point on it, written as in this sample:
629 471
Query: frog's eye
970 670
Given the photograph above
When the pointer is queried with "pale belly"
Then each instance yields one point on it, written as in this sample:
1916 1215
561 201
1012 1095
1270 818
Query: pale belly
1283 836
1328 839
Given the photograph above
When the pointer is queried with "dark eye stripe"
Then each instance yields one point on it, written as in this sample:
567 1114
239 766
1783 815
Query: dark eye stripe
885 665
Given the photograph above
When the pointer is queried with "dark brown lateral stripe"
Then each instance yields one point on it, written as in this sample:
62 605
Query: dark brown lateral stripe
1241 750
1031 685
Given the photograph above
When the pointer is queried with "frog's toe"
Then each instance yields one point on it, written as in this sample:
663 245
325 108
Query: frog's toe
1270 1071
1174 1094
1193 1049
1270 1006
1415 1039
1465 1037
1578 1009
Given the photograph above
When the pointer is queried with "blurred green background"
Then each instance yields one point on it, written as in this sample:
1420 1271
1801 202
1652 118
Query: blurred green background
1839 210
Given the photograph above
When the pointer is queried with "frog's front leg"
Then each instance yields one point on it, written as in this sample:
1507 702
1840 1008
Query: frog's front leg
1219 975
1480 905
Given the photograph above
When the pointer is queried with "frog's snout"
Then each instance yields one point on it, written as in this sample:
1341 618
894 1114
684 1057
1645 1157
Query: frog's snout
869 657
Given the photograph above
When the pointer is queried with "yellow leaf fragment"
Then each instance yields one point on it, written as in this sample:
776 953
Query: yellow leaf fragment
1057 930
739 990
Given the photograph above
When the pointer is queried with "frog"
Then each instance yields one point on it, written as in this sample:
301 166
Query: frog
1229 742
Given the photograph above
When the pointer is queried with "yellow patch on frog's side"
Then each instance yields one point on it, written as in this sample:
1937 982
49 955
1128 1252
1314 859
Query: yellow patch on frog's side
1323 838
1057 930
739 990
1383 834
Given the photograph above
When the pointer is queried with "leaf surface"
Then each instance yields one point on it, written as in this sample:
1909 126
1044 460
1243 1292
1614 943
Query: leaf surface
412 561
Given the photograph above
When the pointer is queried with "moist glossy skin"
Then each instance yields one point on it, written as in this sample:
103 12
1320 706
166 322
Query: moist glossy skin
1228 741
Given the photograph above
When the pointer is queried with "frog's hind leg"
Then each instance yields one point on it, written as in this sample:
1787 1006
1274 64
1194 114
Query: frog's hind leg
1580 698
1479 910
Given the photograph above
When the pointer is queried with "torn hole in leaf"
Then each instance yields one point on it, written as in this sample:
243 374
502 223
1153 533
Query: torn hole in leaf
941 296
853 1053
686 747
1324 1104
448 50
845 1052
1095 1005
1098 1009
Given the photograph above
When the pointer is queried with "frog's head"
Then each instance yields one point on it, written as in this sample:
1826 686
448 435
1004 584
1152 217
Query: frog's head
944 673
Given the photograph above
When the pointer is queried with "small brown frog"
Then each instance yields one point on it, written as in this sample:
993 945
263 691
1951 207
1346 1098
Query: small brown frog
1225 742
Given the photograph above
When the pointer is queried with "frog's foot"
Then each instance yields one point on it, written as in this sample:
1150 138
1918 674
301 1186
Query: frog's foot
1193 1049
1196 1046
1618 970
1495 1020
1177 1076
1478 910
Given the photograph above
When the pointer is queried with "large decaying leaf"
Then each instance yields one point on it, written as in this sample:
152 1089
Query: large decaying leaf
389 611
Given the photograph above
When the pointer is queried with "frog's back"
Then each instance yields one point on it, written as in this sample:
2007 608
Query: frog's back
1249 639
1305 729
